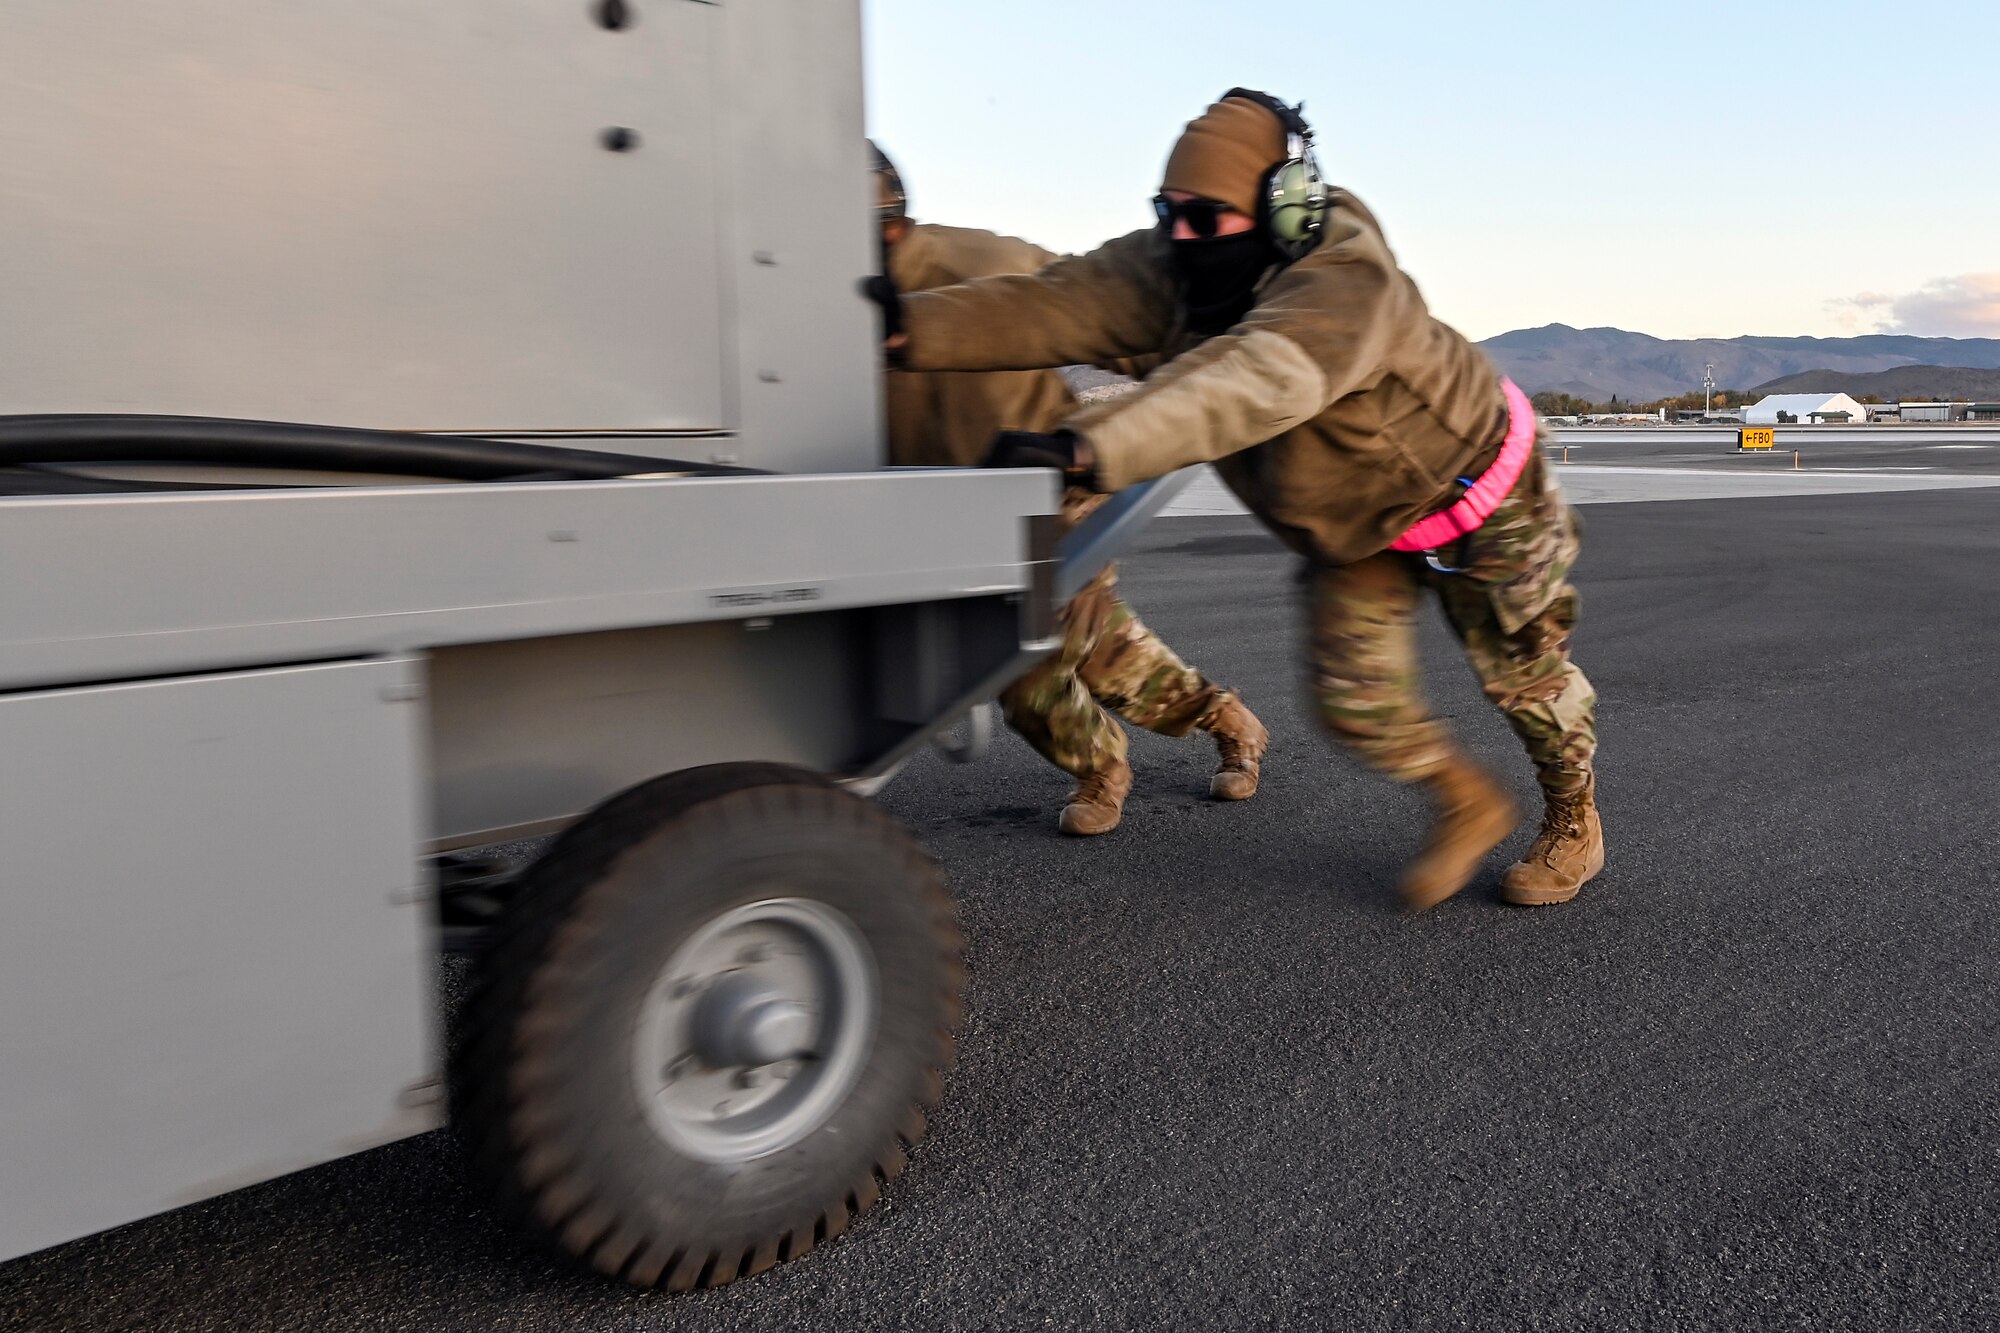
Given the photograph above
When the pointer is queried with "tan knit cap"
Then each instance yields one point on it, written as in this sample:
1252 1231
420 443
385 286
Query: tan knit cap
1225 152
891 200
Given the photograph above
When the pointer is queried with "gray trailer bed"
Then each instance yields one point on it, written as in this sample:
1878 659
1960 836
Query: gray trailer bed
241 729
232 724
918 580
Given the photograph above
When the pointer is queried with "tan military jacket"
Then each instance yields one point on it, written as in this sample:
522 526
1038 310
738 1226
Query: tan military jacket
1339 410
945 419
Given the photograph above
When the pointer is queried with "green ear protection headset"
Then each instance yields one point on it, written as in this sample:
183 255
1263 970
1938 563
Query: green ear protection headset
1292 198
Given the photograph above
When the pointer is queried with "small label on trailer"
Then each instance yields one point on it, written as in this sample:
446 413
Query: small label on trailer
1756 437
768 596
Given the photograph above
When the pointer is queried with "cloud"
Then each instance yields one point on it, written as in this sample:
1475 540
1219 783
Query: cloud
1849 312
1967 306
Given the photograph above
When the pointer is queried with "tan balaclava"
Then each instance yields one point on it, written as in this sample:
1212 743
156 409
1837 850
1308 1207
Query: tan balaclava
1224 153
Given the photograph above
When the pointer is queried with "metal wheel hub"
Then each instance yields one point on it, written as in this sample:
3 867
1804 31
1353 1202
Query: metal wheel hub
743 1020
756 1029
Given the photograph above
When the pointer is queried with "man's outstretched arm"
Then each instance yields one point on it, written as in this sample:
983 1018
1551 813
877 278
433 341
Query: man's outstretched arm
1117 301
1315 336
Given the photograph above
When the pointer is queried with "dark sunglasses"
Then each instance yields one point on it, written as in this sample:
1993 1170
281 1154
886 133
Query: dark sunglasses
1203 216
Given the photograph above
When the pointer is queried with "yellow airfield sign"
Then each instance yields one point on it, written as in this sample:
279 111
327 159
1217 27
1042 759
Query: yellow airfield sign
1756 437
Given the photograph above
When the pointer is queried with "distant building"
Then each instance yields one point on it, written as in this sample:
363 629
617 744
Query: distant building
1982 411
1623 418
1884 411
1934 411
1805 408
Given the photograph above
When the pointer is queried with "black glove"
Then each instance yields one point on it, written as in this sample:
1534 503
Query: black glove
1027 448
882 291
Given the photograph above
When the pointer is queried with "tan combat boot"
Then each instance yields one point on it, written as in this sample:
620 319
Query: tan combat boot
1569 852
1473 817
1240 742
1096 804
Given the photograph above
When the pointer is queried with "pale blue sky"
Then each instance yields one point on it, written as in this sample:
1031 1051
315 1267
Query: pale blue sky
1688 170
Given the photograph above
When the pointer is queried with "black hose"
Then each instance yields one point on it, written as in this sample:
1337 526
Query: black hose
71 438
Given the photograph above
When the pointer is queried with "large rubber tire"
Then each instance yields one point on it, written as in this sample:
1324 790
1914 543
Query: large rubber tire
543 1082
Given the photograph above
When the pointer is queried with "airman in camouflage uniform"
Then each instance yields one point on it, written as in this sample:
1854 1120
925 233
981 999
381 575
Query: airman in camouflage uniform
1511 605
1296 356
1109 661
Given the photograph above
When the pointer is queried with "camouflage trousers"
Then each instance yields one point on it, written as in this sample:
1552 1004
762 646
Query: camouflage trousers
1512 608
1108 661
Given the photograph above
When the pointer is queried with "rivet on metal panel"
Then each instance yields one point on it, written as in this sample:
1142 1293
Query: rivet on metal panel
407 692
563 535
620 139
614 15
764 257
768 376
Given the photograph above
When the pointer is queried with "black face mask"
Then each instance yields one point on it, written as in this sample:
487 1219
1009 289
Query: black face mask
1219 278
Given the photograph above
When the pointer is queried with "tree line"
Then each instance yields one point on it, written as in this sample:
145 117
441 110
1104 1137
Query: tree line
1549 403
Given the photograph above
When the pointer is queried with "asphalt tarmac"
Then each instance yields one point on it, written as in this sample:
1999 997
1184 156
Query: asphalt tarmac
1211 1078
1635 482
1914 449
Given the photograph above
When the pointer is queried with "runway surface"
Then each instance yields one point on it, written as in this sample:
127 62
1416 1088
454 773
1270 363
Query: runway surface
1206 497
1891 449
1211 1078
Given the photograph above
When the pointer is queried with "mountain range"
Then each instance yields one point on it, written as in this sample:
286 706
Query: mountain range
1903 384
1599 363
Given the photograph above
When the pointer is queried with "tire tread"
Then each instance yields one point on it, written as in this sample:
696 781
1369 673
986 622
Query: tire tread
538 1187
